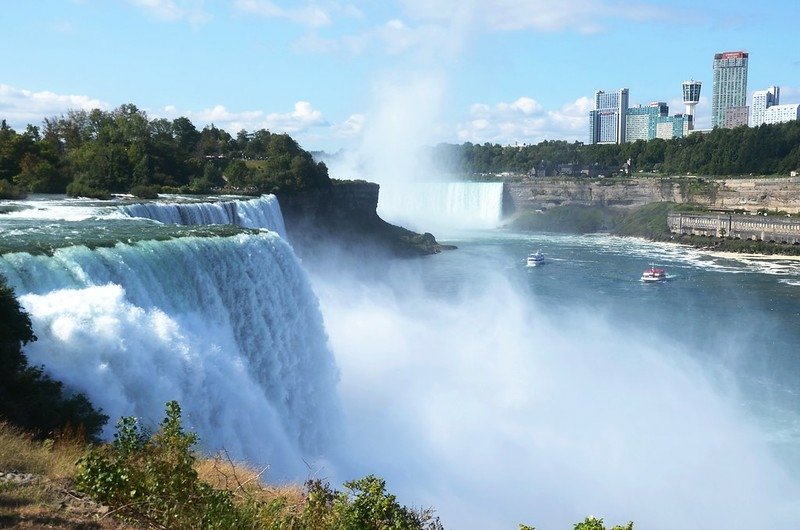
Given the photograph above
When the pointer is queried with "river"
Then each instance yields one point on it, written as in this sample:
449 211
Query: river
496 393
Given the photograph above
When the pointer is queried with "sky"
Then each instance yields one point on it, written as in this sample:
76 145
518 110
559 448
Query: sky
342 74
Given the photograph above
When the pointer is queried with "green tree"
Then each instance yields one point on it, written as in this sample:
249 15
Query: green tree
29 398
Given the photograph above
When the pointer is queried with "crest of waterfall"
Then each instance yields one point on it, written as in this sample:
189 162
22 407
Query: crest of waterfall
229 326
427 205
263 212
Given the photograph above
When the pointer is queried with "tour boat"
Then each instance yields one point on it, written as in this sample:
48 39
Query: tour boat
654 275
535 258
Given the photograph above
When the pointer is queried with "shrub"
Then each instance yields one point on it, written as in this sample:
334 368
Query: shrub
145 192
78 189
364 505
10 191
152 478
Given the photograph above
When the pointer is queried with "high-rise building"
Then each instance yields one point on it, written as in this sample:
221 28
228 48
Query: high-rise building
762 100
607 122
782 113
641 121
677 126
730 84
654 121
736 117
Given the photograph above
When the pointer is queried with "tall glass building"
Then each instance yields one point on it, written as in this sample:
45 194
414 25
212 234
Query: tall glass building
607 122
730 84
642 121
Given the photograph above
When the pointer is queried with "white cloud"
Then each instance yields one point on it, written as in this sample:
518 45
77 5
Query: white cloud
298 121
310 15
191 11
352 126
525 121
303 117
585 16
394 37
22 107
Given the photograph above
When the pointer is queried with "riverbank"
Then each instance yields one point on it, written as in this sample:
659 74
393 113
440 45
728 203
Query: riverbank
648 222
749 194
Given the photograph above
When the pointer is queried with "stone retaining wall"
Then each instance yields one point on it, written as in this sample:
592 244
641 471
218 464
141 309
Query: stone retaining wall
762 228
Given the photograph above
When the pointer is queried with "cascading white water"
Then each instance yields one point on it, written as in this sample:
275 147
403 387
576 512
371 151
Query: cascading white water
263 212
441 205
228 326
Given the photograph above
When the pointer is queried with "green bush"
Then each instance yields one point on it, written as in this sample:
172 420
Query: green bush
590 523
364 505
152 478
79 189
10 191
145 192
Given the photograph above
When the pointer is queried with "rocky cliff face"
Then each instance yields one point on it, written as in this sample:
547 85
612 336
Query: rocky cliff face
346 213
744 194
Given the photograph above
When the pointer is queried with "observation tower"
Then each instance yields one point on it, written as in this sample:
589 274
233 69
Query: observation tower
691 95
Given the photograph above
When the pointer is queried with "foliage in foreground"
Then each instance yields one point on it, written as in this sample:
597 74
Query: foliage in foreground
153 479
29 398
590 523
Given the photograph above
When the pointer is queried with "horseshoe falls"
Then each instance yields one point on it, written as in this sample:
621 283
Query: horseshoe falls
221 319
441 206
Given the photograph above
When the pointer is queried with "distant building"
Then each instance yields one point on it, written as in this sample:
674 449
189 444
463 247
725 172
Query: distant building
607 122
762 100
641 121
782 113
654 121
735 117
691 97
677 126
729 85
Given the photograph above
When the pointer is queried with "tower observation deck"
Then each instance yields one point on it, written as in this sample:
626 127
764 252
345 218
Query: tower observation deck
691 95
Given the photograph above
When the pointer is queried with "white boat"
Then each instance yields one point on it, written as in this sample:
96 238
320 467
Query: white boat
535 258
654 275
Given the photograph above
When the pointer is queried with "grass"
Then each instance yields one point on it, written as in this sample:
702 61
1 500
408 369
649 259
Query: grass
49 501
52 458
46 501
245 481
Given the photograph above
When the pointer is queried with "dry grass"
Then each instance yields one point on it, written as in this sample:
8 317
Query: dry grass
51 458
46 501
49 503
245 481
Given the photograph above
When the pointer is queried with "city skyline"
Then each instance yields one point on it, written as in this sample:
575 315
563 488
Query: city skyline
341 74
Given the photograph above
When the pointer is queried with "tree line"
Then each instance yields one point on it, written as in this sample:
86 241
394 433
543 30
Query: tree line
96 153
763 150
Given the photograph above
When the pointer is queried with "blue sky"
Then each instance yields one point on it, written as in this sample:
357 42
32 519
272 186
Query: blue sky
344 73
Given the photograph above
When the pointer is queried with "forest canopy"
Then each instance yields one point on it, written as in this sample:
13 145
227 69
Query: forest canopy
96 153
763 150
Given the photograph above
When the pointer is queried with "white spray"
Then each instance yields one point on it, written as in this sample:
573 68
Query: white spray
227 326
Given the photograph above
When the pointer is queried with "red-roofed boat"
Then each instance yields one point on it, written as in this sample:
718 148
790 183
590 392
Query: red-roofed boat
654 275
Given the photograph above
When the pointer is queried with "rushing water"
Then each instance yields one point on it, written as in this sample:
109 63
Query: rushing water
134 313
494 392
433 205
505 394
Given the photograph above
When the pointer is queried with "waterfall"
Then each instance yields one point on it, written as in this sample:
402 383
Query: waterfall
229 326
423 206
263 212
